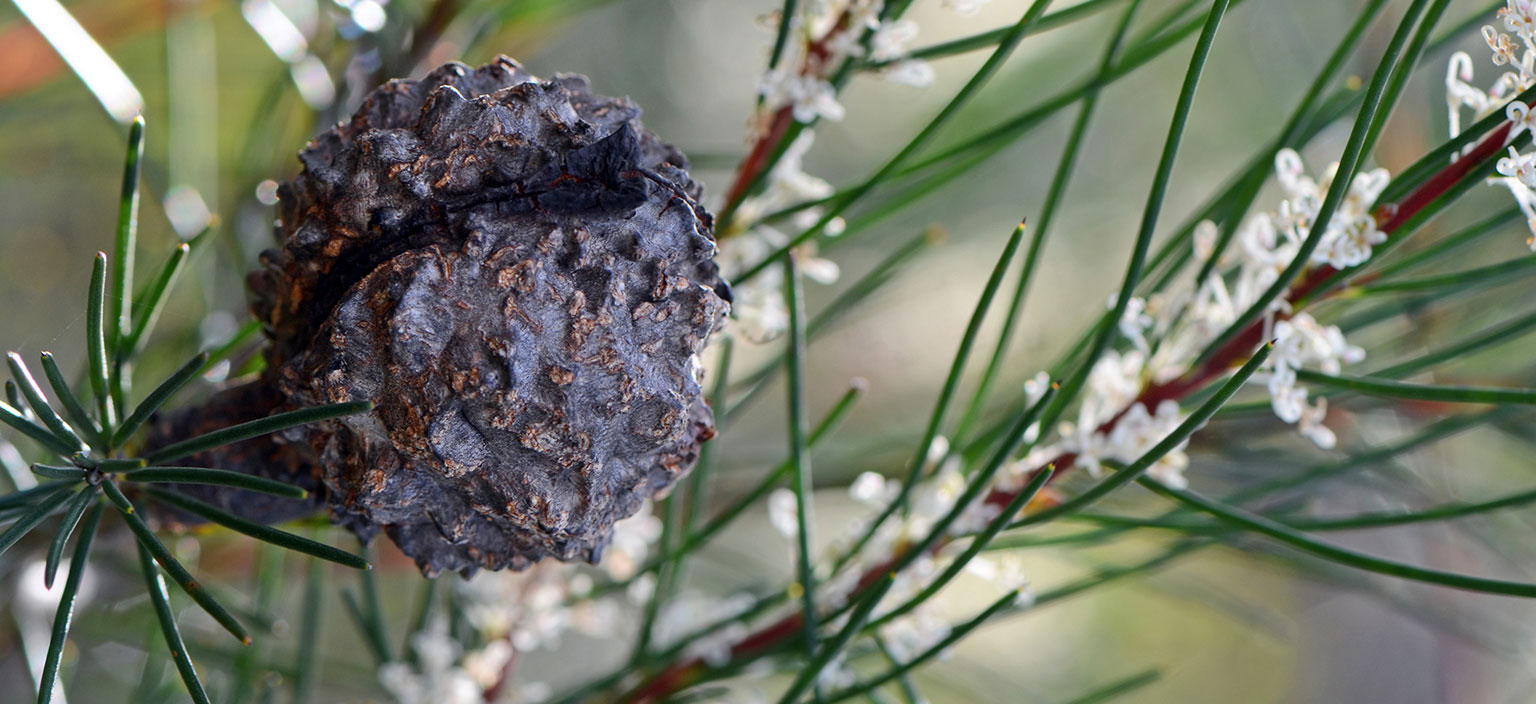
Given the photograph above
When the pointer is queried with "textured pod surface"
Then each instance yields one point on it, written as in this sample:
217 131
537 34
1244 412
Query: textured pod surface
521 278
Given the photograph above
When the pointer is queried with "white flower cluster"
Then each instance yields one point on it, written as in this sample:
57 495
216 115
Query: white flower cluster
965 7
1351 232
759 312
436 678
1517 172
835 28
930 500
691 611
1302 342
520 612
1113 384
1169 331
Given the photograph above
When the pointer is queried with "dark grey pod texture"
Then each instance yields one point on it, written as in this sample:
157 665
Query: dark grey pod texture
520 277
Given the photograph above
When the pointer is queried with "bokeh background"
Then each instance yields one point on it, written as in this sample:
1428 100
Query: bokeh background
228 108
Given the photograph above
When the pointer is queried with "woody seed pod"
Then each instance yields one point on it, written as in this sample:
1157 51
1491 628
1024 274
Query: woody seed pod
520 276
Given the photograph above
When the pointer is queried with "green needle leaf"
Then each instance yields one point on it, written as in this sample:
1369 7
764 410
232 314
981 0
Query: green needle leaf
119 305
956 634
158 397
1064 167
82 501
96 341
16 419
24 497
1481 276
178 573
162 602
781 37
38 402
30 519
307 660
218 477
72 406
66 610
1421 392
800 456
56 472
830 649
946 393
255 428
978 543
256 530
115 465
152 302
1350 558
1119 687
368 620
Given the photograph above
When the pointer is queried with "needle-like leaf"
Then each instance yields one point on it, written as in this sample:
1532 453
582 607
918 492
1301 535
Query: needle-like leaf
120 303
147 308
39 403
1421 392
29 520
255 428
16 419
831 648
1351 558
96 342
161 600
178 573
217 477
56 472
268 534
66 610
158 397
73 407
83 500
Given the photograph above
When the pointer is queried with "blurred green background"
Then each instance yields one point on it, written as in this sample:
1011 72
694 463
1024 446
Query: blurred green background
226 114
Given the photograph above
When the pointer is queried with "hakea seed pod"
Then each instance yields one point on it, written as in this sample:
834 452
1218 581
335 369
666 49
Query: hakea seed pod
521 278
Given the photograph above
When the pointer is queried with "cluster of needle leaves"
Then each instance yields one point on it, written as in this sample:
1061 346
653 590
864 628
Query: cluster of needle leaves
100 466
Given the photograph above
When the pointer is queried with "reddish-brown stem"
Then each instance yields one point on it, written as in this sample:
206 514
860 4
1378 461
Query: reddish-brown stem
755 159
818 56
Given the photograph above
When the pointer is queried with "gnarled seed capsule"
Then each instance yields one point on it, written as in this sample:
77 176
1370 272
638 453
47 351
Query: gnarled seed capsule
521 278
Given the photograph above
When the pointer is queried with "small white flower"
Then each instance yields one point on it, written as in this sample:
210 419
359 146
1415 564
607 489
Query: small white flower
815 98
1134 322
1459 93
783 512
873 489
1310 425
1205 240
1303 342
965 7
909 72
913 634
1006 571
937 450
890 40
1036 387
